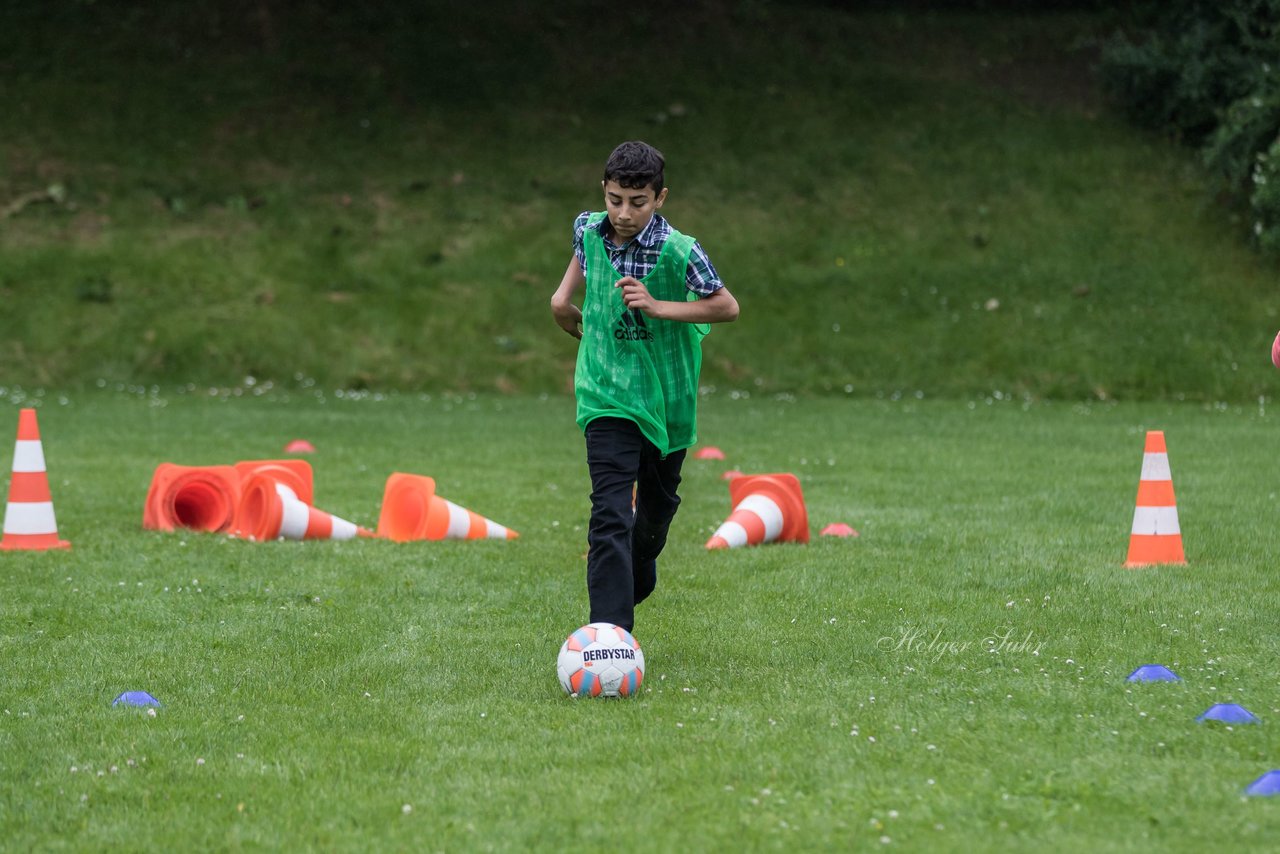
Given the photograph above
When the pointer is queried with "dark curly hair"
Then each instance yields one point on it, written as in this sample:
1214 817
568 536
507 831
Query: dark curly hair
634 165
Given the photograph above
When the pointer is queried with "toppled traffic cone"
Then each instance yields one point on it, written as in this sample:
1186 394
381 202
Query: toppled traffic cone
766 508
270 510
295 474
29 523
1155 537
207 498
411 510
203 498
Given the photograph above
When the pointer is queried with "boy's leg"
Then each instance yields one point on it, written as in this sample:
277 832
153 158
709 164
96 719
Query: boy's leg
656 505
613 458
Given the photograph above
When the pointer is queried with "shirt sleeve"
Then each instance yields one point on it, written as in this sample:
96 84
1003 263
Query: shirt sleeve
579 226
700 276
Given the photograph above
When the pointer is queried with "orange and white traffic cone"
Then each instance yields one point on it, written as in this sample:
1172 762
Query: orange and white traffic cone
207 498
271 510
295 474
202 498
411 510
1155 536
766 508
29 523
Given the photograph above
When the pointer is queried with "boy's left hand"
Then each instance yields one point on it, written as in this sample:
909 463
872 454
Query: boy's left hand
635 295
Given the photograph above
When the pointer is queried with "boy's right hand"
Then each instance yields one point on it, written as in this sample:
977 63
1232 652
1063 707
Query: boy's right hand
568 317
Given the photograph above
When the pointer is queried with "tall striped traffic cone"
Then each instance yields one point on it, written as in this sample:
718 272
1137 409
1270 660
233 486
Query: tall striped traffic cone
28 518
766 508
271 510
411 510
1156 536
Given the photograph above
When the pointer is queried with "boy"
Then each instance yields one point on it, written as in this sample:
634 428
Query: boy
650 292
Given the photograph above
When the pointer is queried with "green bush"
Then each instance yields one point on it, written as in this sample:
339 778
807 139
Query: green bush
1265 199
1208 74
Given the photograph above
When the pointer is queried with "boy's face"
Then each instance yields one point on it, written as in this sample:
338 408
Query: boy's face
630 208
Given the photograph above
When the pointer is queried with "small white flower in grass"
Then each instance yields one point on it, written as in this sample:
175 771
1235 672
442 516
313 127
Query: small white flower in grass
931 747
930 781
406 809
114 769
884 840
151 713
871 739
893 813
74 769
679 725
199 761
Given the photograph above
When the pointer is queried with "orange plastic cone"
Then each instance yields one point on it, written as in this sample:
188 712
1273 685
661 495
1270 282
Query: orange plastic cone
203 498
207 498
1156 536
28 517
295 474
271 510
766 508
411 510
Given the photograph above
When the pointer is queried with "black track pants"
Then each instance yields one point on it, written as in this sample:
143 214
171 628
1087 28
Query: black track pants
624 546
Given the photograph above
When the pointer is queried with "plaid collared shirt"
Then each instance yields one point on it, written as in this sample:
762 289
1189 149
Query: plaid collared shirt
638 255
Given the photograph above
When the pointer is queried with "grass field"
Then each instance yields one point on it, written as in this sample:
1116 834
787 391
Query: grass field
953 679
968 290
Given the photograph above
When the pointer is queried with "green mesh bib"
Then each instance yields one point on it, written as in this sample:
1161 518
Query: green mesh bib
637 367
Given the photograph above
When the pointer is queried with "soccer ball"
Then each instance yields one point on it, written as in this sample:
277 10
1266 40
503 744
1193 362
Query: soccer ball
600 660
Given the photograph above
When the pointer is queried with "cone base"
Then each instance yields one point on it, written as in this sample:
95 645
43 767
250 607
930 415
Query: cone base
31 543
1154 549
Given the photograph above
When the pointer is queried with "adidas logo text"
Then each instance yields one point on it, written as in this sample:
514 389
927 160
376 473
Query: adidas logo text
631 327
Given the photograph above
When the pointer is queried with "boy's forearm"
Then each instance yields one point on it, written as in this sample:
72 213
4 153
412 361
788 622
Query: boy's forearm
572 281
719 307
